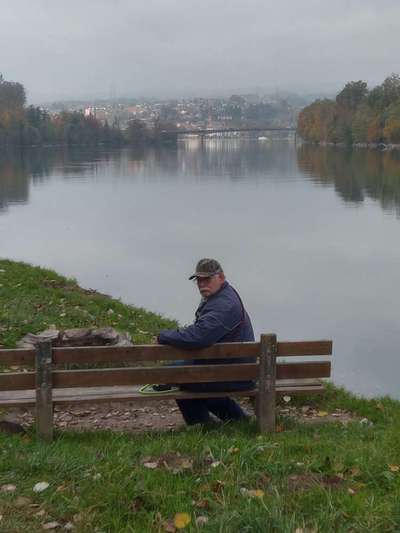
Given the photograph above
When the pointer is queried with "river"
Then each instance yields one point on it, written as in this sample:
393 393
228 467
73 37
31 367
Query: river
308 235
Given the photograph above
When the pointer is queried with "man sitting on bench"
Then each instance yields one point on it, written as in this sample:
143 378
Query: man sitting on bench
220 317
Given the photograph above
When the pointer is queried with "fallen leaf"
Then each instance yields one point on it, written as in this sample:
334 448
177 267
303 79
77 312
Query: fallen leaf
217 486
151 465
202 504
8 488
21 501
257 493
322 413
351 491
181 520
201 520
51 525
41 486
394 468
354 471
168 525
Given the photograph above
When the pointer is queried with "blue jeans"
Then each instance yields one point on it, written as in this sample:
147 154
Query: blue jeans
197 410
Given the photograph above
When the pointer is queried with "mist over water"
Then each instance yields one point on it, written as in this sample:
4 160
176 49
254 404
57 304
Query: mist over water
309 236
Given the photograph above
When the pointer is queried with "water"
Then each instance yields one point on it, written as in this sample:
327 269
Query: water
309 236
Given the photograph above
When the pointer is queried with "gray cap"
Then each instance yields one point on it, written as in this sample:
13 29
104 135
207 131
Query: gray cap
206 267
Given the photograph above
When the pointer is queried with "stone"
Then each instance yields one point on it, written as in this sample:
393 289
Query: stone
77 337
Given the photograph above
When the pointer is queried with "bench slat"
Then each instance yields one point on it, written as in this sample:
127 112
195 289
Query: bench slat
179 374
122 394
108 354
287 349
114 354
17 357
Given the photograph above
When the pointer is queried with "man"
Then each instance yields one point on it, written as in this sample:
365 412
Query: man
220 317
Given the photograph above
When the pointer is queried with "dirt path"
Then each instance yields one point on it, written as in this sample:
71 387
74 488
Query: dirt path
160 416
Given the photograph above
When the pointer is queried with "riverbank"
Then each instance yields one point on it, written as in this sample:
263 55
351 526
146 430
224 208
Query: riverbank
318 476
371 146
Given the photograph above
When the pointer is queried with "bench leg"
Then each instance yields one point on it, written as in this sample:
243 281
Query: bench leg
266 397
44 396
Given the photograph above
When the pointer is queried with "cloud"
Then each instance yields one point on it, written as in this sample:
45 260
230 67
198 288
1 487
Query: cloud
169 46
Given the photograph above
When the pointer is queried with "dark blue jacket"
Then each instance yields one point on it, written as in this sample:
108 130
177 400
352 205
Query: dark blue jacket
219 318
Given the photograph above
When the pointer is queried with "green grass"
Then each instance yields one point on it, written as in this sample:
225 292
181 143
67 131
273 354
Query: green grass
33 299
312 477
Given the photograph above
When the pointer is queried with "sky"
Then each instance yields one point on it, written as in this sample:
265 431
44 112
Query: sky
177 48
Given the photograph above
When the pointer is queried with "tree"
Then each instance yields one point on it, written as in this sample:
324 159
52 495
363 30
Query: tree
12 95
391 131
360 123
352 95
137 132
385 94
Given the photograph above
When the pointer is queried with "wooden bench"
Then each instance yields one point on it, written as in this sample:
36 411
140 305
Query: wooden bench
50 383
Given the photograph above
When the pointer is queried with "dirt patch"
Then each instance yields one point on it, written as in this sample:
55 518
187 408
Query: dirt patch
115 416
310 415
158 416
312 480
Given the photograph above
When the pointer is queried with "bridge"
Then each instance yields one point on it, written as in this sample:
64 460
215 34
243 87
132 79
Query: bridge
208 131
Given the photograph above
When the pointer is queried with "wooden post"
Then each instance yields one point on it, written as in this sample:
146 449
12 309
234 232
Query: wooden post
266 398
44 393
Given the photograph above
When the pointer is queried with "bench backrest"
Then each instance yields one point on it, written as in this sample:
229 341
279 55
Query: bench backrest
139 356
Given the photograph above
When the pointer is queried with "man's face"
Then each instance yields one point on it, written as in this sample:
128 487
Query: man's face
210 285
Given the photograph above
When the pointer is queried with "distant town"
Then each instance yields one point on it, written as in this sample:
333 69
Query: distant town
191 114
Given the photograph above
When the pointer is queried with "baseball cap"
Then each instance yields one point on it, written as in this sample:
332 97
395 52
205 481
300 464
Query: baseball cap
206 267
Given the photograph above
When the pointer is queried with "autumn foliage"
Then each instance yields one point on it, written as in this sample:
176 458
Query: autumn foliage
357 115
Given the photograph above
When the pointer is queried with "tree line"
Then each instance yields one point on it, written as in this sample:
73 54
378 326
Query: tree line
357 115
22 125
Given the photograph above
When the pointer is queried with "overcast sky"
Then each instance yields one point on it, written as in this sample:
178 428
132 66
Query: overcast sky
98 48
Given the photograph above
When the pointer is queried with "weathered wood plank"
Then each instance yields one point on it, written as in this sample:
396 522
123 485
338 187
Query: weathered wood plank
17 381
266 396
44 399
157 352
320 369
17 357
102 354
131 393
183 374
310 348
143 375
168 374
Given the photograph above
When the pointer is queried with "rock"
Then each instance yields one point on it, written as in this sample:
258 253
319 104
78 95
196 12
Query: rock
77 337
30 340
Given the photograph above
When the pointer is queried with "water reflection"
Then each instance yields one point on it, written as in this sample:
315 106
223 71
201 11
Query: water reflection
234 160
18 168
355 174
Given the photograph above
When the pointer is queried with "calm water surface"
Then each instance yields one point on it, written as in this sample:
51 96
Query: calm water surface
309 236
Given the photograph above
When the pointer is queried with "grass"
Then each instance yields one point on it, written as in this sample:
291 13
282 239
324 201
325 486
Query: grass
307 477
33 299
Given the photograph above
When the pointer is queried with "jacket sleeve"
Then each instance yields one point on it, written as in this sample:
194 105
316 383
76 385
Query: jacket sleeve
207 330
